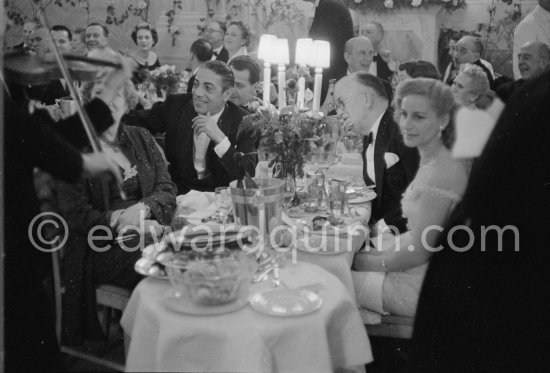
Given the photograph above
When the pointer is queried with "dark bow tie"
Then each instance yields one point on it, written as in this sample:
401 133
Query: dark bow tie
215 54
367 140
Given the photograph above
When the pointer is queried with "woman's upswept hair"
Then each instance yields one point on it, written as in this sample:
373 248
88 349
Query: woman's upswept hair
129 92
440 96
479 84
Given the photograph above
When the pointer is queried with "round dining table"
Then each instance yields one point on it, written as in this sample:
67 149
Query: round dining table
331 338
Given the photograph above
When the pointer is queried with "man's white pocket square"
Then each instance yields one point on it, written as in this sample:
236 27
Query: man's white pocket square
390 159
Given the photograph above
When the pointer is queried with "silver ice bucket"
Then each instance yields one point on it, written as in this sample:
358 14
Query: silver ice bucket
260 207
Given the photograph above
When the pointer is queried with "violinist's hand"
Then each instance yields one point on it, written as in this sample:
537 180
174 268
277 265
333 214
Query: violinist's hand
95 163
152 228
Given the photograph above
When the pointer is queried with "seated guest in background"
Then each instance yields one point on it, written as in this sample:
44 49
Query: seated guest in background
61 35
28 28
533 59
78 42
145 37
215 33
388 165
247 74
452 68
149 205
380 68
417 69
358 54
200 52
237 38
469 51
471 88
97 36
390 277
204 135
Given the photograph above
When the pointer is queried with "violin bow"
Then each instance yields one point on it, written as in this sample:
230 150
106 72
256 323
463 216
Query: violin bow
84 118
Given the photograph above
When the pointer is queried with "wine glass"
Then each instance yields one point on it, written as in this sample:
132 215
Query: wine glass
222 198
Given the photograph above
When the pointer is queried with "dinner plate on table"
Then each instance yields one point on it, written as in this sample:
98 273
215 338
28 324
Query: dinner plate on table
286 302
319 250
180 301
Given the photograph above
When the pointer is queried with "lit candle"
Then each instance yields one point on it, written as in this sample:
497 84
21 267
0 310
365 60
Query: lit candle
321 60
303 57
280 50
265 53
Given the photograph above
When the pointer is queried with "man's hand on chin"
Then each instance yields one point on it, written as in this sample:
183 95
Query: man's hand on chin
208 125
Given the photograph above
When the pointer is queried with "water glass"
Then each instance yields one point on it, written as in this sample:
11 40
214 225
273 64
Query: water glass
223 201
315 184
337 198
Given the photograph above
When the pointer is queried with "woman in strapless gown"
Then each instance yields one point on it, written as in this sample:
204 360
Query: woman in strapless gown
389 276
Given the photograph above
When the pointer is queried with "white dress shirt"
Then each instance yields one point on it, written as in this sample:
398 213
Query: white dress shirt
216 52
200 146
369 155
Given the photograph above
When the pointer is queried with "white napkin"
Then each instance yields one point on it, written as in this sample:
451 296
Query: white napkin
196 205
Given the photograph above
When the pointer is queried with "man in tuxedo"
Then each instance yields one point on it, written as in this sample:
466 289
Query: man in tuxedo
247 74
200 52
469 50
332 22
358 54
533 59
388 165
484 304
28 28
375 32
206 145
214 33
97 36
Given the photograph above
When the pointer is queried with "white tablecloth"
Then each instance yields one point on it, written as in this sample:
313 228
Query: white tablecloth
326 340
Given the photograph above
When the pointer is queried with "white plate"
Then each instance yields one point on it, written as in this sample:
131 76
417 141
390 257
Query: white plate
286 302
364 197
179 301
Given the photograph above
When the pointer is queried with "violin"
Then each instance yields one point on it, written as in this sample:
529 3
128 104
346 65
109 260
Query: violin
24 68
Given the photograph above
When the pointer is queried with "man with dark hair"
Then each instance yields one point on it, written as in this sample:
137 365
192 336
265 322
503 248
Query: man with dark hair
61 35
97 36
469 50
332 22
215 33
200 52
204 135
247 74
364 99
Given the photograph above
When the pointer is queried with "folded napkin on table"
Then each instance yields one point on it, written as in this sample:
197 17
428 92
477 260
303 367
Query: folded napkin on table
195 206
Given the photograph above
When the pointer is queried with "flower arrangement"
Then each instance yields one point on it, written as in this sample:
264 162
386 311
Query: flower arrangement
165 78
380 6
288 137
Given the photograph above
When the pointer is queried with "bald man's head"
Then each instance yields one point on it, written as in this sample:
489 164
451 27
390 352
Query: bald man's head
533 59
358 54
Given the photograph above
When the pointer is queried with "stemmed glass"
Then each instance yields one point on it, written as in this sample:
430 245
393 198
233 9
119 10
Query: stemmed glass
223 202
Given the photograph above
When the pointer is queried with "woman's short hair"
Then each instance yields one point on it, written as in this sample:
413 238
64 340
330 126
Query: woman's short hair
440 96
148 27
420 69
129 92
479 83
244 31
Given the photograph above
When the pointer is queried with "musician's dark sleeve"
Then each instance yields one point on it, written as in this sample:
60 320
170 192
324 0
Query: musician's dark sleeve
71 128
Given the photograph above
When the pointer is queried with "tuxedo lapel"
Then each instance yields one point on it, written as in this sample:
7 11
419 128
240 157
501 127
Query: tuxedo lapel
380 148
